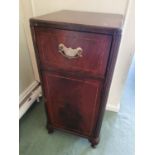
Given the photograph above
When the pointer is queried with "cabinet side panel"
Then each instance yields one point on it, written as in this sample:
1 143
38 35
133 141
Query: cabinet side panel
107 82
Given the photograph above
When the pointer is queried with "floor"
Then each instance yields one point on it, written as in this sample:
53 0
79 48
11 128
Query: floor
117 133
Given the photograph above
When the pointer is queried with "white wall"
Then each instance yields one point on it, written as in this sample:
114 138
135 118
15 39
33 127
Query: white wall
27 11
124 59
113 6
40 7
26 75
29 90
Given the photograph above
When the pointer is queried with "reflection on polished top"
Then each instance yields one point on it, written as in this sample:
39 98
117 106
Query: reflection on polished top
83 18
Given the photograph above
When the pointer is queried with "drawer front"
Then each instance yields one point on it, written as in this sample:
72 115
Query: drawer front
73 51
72 104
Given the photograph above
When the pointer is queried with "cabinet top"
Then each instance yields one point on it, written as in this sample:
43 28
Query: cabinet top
106 20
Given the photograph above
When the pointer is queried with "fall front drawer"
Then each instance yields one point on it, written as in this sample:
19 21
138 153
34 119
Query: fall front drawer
76 54
85 52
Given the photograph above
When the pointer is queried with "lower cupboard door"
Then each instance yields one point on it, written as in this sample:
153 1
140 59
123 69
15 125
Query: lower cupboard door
72 103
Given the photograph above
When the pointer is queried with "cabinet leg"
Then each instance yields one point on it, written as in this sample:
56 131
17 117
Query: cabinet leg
94 141
49 128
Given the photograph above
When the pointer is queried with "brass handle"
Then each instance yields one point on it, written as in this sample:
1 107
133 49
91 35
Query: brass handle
70 53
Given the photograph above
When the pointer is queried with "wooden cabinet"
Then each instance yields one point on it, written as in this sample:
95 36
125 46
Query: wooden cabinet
76 54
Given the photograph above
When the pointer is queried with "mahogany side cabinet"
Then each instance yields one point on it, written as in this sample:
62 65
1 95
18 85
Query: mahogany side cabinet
76 54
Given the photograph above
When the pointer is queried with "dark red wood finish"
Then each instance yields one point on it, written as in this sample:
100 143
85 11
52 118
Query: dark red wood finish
76 91
95 47
72 102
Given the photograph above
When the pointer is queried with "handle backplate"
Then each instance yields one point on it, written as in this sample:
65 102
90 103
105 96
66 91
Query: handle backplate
70 53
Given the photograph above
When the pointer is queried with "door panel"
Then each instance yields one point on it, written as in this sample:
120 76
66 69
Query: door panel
72 103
